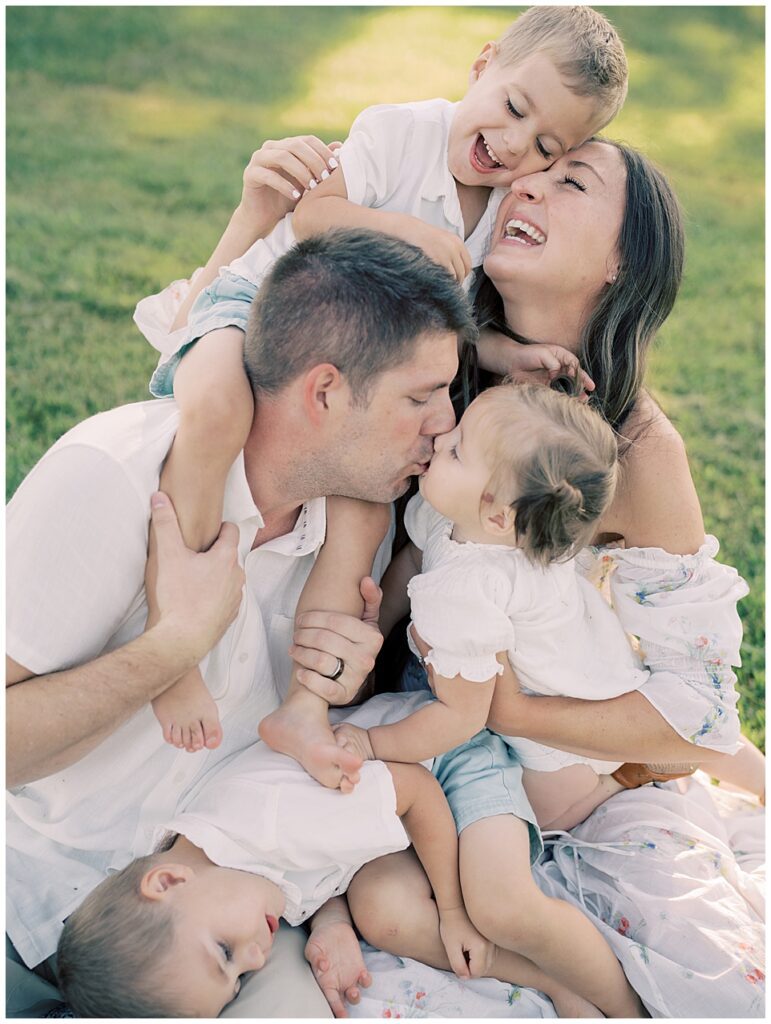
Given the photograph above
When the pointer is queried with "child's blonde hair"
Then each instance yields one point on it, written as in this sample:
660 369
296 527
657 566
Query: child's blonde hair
112 952
554 463
584 46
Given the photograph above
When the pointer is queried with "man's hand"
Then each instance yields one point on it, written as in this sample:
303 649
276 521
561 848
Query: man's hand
334 953
355 739
322 637
196 595
279 172
470 954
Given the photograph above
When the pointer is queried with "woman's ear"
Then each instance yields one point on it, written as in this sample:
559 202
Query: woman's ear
487 55
614 265
159 882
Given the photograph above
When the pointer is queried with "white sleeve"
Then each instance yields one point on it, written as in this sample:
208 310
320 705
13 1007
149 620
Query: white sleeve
462 618
372 157
683 609
76 551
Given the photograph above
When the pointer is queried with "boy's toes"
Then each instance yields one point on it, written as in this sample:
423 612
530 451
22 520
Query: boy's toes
212 734
176 736
194 737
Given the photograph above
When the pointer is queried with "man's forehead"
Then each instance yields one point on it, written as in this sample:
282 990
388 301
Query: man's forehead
434 358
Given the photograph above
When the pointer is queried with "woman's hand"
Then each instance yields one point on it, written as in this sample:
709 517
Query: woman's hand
470 954
334 953
529 364
279 172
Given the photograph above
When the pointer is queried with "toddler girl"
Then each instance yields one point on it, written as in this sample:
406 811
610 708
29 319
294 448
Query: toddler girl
512 493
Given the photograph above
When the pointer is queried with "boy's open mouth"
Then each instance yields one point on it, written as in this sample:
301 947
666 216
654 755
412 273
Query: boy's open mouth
483 157
524 233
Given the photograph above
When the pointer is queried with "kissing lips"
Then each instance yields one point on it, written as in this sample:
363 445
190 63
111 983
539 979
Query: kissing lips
272 923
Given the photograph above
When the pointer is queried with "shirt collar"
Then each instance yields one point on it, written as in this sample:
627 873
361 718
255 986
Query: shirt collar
238 507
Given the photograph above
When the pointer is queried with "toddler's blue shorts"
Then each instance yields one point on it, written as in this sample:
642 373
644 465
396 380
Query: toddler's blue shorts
482 777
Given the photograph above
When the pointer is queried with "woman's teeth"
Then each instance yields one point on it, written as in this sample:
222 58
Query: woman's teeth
516 228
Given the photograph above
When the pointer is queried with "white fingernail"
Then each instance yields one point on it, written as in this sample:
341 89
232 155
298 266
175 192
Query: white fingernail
295 194
313 183
324 175
333 163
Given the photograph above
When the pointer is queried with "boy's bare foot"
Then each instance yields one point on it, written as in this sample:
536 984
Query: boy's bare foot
304 737
188 714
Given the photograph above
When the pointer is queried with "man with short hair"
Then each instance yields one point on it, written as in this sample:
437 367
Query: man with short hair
360 397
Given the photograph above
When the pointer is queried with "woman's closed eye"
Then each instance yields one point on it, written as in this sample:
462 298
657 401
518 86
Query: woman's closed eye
227 952
454 453
574 182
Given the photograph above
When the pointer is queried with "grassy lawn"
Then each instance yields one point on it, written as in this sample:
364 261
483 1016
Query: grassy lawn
128 129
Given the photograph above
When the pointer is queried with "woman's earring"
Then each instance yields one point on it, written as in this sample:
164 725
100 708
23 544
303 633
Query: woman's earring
613 279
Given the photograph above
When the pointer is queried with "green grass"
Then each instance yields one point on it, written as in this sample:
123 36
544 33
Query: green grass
128 129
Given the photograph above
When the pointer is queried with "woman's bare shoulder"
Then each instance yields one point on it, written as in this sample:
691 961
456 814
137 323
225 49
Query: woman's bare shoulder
656 503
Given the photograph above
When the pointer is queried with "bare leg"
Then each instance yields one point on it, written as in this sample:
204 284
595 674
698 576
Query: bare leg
745 769
516 915
392 907
566 797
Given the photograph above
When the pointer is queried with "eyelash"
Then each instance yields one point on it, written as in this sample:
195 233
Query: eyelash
519 115
227 951
416 401
567 180
454 452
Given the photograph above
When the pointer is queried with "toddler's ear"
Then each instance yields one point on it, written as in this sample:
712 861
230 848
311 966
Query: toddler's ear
499 521
159 881
480 65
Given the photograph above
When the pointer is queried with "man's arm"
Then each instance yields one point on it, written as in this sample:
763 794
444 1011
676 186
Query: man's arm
54 720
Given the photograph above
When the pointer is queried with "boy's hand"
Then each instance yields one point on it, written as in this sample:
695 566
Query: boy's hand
529 363
334 953
279 172
469 953
357 740
441 246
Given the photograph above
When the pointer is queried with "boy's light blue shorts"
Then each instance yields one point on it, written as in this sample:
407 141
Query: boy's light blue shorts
482 777
225 303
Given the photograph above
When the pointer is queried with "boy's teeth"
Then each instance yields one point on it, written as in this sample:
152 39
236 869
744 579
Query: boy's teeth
513 226
490 152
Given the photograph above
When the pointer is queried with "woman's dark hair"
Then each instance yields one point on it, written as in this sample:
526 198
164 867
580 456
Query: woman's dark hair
615 339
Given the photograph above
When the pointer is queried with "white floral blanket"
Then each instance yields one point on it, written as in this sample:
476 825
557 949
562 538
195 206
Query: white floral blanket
673 877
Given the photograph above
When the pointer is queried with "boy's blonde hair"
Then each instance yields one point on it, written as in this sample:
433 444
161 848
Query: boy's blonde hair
584 47
112 952
554 463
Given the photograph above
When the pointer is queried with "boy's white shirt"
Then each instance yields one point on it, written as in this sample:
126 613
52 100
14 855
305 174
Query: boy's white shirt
261 812
395 159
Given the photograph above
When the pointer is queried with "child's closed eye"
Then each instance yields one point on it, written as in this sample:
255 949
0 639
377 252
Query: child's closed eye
226 950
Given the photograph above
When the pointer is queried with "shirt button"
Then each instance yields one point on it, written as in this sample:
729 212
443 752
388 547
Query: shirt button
243 656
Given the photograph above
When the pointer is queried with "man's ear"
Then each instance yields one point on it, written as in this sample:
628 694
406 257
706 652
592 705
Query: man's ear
488 53
498 520
323 386
160 881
